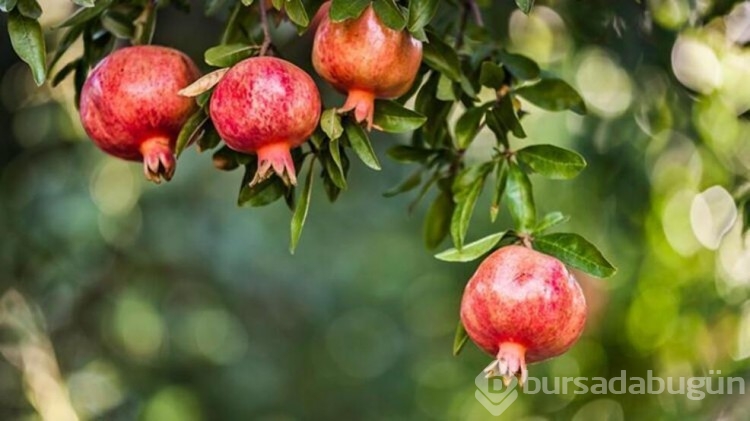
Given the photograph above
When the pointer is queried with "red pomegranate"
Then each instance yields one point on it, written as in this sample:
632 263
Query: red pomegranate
267 106
365 59
130 107
522 307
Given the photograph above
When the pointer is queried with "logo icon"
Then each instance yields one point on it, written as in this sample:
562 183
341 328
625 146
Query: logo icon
494 395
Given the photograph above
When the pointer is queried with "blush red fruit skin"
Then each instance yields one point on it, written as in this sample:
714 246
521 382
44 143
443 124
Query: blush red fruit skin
267 106
523 307
130 107
365 59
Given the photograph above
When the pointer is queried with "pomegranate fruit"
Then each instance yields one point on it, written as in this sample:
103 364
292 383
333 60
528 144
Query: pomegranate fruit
366 60
130 107
522 307
266 106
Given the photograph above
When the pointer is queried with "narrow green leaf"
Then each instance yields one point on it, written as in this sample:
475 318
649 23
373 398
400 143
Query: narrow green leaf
260 194
342 10
446 89
575 251
29 8
7 5
525 5
494 122
550 220
392 117
64 72
421 13
85 14
301 209
229 55
390 14
442 57
520 199
118 25
506 113
520 66
145 26
551 161
466 191
491 75
471 251
360 142
437 222
553 95
28 42
333 169
501 181
210 138
295 9
334 148
68 38
410 183
190 131
84 3
460 339
468 126
409 154
330 122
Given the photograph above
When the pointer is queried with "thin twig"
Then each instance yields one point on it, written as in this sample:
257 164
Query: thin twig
266 29
472 4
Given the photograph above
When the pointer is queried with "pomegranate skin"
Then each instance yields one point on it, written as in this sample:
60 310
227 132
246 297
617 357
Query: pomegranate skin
130 107
365 59
523 307
267 106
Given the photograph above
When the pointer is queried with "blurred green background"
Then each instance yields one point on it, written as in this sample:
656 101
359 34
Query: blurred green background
125 300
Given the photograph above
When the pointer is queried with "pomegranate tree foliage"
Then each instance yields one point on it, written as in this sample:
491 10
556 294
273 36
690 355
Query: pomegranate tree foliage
461 58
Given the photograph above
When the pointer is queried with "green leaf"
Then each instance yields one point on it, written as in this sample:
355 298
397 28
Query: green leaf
520 66
525 5
421 13
553 95
409 154
28 42
85 14
390 14
68 38
471 251
437 222
145 26
84 3
442 57
495 124
301 209
460 339
446 90
29 8
550 220
575 251
392 117
229 55
520 198
342 10
210 138
360 142
334 148
468 126
295 9
118 25
330 122
64 72
410 183
551 161
466 191
7 5
334 169
190 131
506 114
260 194
247 2
501 181
492 75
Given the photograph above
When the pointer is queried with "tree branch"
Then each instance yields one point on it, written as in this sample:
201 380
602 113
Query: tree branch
266 29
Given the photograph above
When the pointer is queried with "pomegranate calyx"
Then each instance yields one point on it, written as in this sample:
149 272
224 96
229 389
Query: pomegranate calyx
158 159
275 159
510 362
363 104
